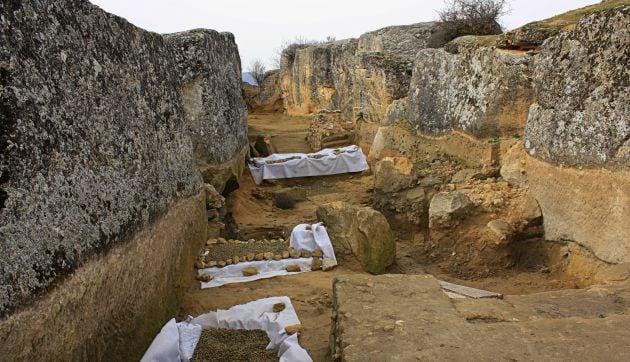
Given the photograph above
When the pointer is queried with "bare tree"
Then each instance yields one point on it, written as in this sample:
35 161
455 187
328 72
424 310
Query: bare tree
469 17
257 71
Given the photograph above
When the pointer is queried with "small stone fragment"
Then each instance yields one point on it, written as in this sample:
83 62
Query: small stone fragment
317 253
221 241
294 254
268 255
389 328
292 329
259 256
211 242
199 264
236 259
211 264
293 268
285 254
278 307
328 264
204 278
305 254
250 256
316 264
229 262
277 257
249 271
220 264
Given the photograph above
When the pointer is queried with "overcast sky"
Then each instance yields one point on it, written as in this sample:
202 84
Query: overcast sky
262 26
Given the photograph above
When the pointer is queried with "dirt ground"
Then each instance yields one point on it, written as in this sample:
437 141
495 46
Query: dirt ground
256 216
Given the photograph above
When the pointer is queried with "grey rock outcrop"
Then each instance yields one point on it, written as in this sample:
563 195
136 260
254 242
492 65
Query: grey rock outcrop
360 232
582 113
98 132
480 90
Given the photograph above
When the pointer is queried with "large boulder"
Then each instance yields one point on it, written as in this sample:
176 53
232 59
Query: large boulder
447 208
393 174
361 233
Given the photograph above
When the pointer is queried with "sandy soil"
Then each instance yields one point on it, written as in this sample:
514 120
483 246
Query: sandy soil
311 292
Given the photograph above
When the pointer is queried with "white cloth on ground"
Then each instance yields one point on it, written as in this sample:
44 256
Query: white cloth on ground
349 159
266 269
315 238
301 239
258 314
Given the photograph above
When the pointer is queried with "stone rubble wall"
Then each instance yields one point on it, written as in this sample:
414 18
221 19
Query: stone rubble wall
100 125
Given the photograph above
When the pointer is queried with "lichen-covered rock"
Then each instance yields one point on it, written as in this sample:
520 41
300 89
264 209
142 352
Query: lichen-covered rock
396 112
582 113
482 91
393 174
361 77
209 67
97 134
361 232
581 119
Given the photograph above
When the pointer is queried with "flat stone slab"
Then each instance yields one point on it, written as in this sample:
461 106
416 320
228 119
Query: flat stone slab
409 317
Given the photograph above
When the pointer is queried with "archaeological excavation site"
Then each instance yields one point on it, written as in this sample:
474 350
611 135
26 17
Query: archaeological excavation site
438 191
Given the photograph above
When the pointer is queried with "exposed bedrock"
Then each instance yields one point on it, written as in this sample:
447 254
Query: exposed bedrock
209 69
100 125
482 91
581 119
361 77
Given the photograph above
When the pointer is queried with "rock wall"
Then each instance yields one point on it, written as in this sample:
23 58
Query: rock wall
581 119
361 77
480 90
209 68
268 97
99 122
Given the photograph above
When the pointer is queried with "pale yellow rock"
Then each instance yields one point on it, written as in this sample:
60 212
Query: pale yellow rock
293 268
249 271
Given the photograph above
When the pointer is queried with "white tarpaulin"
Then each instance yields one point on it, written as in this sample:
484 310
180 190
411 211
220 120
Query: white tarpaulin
301 239
328 161
177 341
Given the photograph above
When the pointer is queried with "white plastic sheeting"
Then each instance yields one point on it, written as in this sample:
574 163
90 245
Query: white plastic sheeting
177 341
324 162
301 239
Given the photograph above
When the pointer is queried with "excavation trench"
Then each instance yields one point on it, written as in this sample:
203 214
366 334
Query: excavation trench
524 265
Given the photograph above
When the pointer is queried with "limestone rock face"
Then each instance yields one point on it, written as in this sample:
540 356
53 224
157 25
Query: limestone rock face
393 174
99 123
581 120
447 208
584 118
360 232
268 97
482 91
361 77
